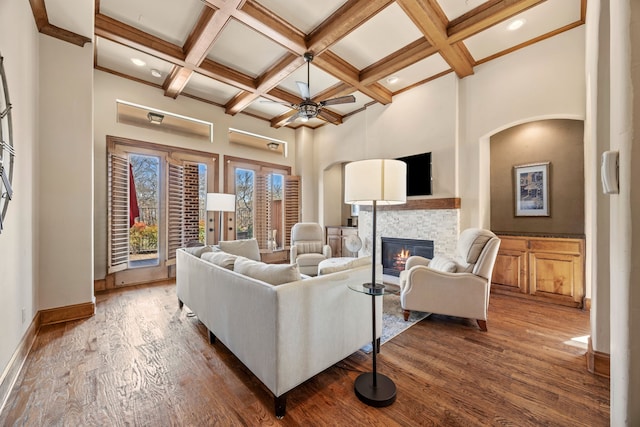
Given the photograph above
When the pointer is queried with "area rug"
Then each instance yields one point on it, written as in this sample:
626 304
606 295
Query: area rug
393 323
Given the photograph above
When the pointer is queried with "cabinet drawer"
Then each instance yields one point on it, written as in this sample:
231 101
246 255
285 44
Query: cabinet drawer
557 246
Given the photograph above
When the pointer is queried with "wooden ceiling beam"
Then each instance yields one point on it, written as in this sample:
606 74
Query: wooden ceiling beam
485 16
408 55
41 17
431 21
126 35
344 71
267 81
261 19
226 75
343 21
209 26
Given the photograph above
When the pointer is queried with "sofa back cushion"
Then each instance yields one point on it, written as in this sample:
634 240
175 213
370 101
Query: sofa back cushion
247 248
274 274
221 259
198 250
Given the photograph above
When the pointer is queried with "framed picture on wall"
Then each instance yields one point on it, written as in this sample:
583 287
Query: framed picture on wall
531 186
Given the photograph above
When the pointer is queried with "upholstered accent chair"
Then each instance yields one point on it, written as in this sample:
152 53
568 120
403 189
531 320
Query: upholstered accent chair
307 247
457 286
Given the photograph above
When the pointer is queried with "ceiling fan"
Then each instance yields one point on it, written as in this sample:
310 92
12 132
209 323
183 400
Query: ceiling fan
307 109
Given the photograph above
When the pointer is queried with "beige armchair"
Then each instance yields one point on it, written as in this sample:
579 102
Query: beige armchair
307 247
455 287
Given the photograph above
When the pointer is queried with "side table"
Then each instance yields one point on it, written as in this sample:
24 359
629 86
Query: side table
373 388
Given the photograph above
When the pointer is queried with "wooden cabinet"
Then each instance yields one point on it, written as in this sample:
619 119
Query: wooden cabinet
336 239
545 268
280 256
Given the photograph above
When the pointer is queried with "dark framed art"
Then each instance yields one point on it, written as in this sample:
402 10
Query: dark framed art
531 184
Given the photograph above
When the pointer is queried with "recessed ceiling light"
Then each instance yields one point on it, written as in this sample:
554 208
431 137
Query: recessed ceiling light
392 80
138 62
155 73
514 25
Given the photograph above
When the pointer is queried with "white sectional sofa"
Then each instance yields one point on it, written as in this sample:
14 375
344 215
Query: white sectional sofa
285 333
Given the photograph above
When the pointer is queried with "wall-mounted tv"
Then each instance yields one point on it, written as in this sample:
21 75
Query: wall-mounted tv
418 174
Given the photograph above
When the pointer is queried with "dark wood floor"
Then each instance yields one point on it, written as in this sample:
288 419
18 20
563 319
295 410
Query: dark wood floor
142 361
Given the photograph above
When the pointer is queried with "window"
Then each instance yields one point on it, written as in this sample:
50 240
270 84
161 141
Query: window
156 205
267 201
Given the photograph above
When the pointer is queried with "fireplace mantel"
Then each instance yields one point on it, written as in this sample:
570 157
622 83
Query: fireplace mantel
418 204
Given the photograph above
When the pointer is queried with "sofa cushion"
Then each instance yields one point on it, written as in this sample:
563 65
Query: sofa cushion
198 250
274 274
221 259
247 248
333 265
443 263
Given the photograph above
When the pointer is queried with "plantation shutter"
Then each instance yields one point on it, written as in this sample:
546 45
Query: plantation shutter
262 209
118 212
291 205
175 209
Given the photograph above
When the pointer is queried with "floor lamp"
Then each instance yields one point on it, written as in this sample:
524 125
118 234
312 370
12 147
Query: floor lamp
373 182
220 202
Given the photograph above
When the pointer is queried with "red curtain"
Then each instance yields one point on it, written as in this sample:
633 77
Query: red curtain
134 211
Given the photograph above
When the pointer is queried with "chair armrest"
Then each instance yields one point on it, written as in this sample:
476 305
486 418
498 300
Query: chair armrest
293 254
416 260
326 251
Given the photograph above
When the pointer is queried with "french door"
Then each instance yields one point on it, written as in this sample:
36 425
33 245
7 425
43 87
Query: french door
157 199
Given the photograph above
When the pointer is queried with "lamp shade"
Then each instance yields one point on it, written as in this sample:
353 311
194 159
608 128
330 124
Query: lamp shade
221 202
381 180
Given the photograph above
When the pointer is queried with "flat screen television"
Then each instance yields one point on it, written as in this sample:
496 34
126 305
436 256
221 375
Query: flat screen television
418 174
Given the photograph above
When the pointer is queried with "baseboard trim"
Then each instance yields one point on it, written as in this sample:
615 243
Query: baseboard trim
67 313
14 367
597 362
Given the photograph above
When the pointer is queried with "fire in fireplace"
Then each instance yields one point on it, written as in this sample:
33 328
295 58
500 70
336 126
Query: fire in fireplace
396 251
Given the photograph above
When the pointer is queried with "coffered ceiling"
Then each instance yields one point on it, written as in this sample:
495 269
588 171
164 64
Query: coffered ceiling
242 55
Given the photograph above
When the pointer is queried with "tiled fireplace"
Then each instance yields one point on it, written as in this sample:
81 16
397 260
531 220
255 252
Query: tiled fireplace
441 226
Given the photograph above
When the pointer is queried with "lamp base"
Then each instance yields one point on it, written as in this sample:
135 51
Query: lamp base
374 288
384 394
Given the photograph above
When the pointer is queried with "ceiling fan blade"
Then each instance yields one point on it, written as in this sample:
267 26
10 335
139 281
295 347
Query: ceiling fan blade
326 116
340 100
292 119
304 90
286 104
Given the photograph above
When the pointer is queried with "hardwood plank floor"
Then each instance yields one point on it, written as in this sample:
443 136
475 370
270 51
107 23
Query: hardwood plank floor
142 361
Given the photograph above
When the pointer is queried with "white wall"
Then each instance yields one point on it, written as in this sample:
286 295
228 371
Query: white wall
109 88
65 173
18 240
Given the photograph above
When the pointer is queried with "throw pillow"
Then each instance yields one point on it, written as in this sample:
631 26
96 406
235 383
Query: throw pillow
274 274
221 259
443 263
198 250
247 248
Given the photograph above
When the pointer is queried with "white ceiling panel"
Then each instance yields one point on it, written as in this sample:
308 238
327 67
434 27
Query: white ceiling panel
266 108
167 19
385 33
72 15
117 57
241 48
539 20
304 15
209 89
319 80
417 72
456 8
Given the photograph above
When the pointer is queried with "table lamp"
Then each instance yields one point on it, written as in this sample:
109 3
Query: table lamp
221 202
373 182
